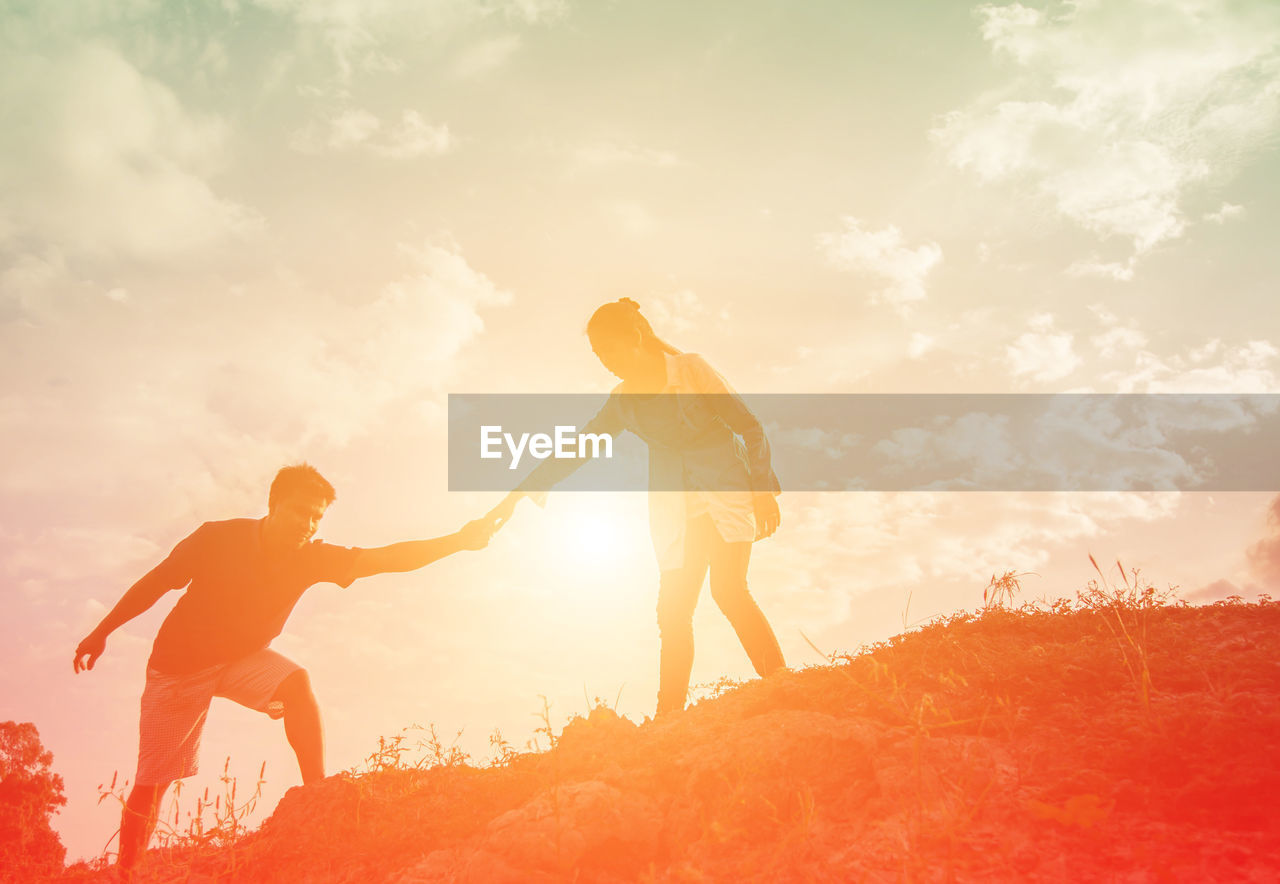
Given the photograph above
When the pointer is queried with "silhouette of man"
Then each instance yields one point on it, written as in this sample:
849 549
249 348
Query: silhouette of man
242 578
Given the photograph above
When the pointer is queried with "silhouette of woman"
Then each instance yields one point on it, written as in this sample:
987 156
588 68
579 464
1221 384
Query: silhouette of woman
704 441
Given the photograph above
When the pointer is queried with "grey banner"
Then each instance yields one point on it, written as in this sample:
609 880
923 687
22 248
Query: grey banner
920 442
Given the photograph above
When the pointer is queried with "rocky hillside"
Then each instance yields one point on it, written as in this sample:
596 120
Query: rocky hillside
1103 740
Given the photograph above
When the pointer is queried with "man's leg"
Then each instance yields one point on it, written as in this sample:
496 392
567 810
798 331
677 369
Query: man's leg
270 682
173 711
302 724
137 822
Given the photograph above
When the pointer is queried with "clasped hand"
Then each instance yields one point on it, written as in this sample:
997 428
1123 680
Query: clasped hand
477 533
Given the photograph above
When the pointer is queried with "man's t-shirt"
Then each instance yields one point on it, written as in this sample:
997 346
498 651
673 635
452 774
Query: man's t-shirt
238 597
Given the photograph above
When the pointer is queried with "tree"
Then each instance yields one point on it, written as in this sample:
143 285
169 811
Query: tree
30 793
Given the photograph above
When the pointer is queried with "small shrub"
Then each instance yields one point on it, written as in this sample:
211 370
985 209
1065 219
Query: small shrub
30 794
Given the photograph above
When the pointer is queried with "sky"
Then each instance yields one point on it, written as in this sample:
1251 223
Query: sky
239 234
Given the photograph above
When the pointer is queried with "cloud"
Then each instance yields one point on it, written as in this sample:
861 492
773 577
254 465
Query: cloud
100 161
41 560
293 372
1069 442
413 136
352 127
367 35
920 344
1264 556
30 282
535 11
679 311
851 559
485 56
832 444
423 320
358 129
1212 368
884 254
1263 562
1129 189
1117 340
352 29
1122 443
1120 271
1225 213
618 153
1043 353
353 364
633 218
1215 591
976 448
1117 112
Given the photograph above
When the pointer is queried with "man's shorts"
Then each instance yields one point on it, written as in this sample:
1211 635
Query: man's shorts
174 708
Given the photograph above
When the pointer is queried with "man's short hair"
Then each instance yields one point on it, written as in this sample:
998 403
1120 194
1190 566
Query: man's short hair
300 480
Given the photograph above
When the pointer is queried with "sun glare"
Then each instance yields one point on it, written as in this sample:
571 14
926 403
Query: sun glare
593 537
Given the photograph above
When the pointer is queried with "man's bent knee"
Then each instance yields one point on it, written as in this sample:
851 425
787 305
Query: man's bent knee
295 690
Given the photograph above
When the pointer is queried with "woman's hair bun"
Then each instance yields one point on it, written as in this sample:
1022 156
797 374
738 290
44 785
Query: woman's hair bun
629 303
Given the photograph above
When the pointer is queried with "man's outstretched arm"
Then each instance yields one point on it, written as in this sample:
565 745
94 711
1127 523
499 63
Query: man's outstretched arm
414 554
141 596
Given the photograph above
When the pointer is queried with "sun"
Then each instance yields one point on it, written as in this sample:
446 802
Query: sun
594 536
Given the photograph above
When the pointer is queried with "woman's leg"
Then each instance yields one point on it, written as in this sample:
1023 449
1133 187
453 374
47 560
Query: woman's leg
729 589
677 599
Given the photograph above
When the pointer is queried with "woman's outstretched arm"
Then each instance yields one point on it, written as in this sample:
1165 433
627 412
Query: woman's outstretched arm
553 471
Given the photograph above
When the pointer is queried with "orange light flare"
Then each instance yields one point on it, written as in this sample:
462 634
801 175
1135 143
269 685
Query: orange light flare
593 549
